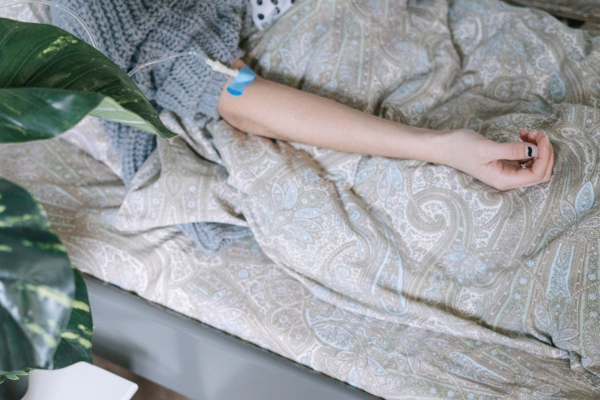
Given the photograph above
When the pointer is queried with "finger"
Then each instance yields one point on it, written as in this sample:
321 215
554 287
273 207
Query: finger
533 134
528 135
523 177
524 134
542 163
518 164
548 174
515 151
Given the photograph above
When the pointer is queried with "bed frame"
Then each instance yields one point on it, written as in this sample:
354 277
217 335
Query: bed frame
197 360
192 358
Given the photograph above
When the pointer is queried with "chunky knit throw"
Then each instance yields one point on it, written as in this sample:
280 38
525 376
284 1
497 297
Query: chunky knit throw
132 32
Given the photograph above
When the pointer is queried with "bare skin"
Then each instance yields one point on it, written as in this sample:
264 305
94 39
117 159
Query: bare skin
279 112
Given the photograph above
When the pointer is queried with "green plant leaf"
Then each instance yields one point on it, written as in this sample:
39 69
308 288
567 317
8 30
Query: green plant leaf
13 376
46 57
34 114
76 342
36 283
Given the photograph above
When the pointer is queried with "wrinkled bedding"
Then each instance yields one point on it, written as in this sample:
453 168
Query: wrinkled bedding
243 292
410 242
403 278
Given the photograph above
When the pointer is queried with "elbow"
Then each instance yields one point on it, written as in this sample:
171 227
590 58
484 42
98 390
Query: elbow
232 116
235 112
240 111
229 111
228 106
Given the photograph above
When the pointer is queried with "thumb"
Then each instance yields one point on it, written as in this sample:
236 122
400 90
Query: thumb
516 151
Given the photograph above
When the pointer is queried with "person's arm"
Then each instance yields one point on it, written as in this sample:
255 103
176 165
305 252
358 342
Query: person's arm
280 112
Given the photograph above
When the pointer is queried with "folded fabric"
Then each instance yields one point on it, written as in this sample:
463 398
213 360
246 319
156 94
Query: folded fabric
132 32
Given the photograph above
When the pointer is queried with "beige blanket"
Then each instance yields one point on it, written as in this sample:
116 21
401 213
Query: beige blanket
405 241
417 281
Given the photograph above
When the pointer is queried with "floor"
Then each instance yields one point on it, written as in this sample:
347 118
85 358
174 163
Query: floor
148 390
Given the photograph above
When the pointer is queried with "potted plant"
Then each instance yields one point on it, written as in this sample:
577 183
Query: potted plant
49 81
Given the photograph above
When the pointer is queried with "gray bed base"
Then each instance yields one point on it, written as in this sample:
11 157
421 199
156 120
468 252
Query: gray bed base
194 359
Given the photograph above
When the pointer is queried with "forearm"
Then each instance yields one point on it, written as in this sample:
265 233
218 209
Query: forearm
279 112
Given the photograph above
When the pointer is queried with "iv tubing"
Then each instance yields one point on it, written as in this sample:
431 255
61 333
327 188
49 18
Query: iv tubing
51 4
215 65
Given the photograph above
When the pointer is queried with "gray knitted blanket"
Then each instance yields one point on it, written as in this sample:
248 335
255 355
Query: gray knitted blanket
132 32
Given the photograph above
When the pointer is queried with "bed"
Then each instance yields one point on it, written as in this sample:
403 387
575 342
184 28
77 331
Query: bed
400 278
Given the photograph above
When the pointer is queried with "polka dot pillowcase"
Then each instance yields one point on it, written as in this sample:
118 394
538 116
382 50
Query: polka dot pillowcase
266 11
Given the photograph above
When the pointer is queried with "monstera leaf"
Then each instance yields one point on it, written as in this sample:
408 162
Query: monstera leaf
50 80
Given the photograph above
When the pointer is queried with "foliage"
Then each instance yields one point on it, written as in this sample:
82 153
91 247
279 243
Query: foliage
49 81
51 60
25 220
76 339
37 283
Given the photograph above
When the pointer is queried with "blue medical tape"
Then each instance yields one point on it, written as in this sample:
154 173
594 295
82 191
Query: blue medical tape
238 84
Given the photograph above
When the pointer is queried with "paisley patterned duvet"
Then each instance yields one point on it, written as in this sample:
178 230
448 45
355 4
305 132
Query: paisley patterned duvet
405 279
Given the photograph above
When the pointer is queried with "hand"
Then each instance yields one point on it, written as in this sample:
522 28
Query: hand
499 164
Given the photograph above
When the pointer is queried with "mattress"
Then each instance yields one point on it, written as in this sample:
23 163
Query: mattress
253 288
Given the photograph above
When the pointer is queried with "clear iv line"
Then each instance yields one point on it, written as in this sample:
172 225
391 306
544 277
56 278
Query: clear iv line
68 10
136 69
215 65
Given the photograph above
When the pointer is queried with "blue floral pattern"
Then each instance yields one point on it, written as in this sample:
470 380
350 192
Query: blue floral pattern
405 279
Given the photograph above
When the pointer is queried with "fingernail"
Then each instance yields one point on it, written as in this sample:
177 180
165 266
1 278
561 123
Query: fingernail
535 133
532 151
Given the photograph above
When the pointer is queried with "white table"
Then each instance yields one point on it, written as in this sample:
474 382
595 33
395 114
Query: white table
76 382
